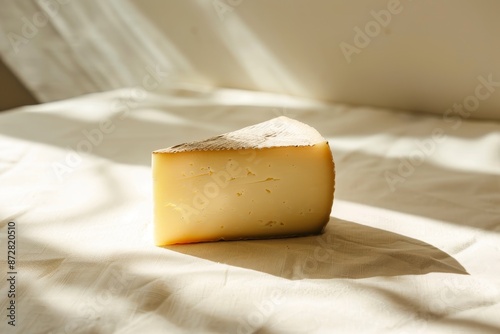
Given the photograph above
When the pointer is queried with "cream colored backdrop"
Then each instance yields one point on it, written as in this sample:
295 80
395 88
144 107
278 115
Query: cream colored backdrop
435 56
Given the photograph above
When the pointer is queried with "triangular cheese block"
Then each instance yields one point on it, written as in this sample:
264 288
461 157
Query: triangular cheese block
272 179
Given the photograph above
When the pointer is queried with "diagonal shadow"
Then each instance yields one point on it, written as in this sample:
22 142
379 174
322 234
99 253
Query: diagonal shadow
107 296
344 250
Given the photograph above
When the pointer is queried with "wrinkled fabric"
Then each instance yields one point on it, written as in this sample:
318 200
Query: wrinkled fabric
412 246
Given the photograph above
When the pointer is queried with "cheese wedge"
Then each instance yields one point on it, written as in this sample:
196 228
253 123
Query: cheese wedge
273 179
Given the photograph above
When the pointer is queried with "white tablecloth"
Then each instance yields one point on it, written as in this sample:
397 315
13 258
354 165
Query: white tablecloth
413 244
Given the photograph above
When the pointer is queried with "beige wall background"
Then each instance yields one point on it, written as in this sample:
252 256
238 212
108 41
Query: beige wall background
14 93
440 56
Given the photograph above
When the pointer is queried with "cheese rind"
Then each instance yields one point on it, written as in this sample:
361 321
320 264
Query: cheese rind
263 189
277 132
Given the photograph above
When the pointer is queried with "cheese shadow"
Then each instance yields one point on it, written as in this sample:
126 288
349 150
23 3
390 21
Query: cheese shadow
345 250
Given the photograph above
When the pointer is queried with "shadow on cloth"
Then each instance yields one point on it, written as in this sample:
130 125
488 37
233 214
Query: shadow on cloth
344 250
63 292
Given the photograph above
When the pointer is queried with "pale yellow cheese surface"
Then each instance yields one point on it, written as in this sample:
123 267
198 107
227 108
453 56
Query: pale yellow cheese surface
228 194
